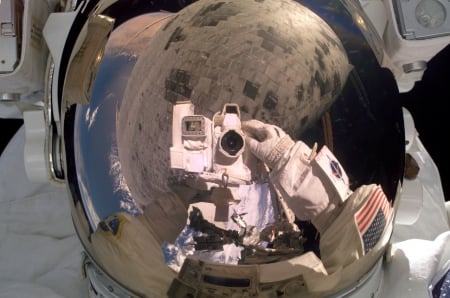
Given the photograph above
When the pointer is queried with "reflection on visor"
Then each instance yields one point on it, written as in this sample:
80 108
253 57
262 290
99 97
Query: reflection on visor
193 125
207 152
227 282
102 183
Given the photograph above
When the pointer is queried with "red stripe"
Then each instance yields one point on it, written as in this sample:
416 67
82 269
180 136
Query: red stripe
365 222
366 215
362 212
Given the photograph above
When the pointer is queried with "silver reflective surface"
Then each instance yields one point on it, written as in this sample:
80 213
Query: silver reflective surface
277 60
99 171
122 138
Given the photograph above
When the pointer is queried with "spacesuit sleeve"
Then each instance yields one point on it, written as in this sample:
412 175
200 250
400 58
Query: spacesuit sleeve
354 242
304 186
357 229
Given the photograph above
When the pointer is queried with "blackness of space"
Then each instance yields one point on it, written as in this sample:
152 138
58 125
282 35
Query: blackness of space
428 104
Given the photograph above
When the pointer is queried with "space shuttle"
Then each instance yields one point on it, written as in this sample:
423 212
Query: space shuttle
138 109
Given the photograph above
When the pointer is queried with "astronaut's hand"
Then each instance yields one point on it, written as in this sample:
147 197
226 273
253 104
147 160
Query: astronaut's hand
267 142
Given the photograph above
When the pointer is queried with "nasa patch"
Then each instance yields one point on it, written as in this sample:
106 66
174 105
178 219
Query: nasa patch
333 171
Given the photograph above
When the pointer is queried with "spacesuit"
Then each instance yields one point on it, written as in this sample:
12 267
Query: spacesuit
342 62
343 218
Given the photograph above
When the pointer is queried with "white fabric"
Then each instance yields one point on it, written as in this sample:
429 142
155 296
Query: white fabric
268 142
40 254
304 188
299 174
414 264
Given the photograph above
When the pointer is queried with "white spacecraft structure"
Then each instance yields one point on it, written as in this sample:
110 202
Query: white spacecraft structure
65 67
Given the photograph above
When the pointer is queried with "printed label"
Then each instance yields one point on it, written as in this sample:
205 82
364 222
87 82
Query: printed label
334 172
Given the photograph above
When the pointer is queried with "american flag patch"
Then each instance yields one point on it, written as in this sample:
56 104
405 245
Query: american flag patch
371 218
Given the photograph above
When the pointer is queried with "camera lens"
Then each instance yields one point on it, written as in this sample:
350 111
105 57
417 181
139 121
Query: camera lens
232 142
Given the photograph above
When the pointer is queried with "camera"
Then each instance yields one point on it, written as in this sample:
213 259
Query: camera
209 150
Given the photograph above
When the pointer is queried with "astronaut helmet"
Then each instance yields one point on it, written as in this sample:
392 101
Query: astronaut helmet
156 135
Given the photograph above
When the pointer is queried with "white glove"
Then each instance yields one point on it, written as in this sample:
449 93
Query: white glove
267 142
306 191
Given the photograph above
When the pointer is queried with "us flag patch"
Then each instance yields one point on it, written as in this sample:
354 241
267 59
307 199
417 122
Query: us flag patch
371 218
